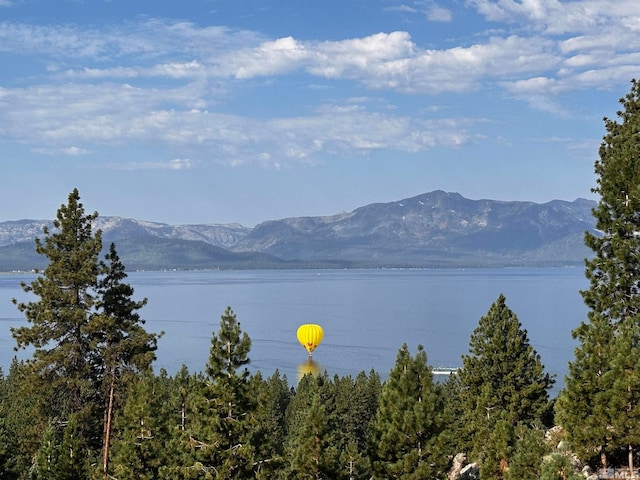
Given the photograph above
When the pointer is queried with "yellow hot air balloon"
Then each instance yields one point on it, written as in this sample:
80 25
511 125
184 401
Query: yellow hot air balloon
310 335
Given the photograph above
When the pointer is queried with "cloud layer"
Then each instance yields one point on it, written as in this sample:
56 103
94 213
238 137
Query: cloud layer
174 83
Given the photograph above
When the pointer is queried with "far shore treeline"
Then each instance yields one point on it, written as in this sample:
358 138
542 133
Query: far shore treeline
88 405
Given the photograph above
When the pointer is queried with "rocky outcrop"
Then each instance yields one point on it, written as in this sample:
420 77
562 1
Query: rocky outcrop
462 469
589 474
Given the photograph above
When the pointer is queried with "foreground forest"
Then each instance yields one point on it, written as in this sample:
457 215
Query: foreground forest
88 404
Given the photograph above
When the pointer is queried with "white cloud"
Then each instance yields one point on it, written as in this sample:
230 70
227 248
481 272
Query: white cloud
180 164
149 39
176 164
184 51
67 151
437 13
401 8
176 70
557 18
270 58
105 116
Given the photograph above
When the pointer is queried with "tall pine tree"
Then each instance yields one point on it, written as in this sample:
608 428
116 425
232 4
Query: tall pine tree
408 421
143 428
84 329
502 383
120 340
314 455
273 396
602 371
63 357
222 441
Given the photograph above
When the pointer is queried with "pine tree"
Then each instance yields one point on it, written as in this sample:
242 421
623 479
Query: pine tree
453 437
6 447
529 451
85 329
368 389
354 463
143 429
268 437
314 455
582 405
624 406
21 411
227 407
62 454
558 467
497 450
502 381
345 415
63 357
609 338
308 387
185 423
355 403
408 421
7 444
121 342
72 461
46 462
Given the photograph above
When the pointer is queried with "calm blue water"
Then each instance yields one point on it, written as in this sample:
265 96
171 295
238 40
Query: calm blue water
367 314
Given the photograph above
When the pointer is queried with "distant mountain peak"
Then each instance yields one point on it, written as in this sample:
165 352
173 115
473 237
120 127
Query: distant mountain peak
437 228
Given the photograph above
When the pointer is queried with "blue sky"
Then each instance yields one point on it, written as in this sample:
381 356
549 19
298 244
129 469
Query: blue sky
221 111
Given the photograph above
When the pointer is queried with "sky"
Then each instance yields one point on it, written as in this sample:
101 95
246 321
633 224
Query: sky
242 111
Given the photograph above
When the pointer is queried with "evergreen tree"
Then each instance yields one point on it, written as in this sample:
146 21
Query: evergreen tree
354 463
308 387
121 341
609 339
453 437
367 389
503 383
408 422
63 357
346 412
143 429
185 422
558 466
583 404
47 458
222 443
528 453
268 437
62 454
497 451
72 462
6 447
84 329
314 455
624 405
21 419
7 444
355 405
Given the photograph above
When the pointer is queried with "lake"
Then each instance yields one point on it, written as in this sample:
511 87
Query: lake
366 314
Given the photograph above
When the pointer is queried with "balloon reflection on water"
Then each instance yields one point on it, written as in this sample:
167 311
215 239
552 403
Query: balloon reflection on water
309 367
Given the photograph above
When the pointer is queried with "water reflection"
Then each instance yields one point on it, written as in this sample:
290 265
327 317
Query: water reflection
310 366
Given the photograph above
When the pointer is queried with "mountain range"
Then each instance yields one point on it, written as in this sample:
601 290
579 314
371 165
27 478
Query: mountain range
436 229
